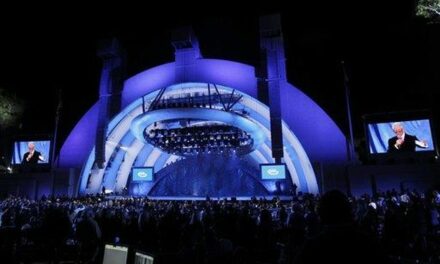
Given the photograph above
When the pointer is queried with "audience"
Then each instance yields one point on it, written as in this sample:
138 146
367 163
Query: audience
389 227
340 241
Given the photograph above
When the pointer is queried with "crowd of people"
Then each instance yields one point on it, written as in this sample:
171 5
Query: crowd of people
390 227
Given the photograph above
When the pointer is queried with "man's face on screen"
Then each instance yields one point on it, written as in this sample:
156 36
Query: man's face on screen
399 131
31 146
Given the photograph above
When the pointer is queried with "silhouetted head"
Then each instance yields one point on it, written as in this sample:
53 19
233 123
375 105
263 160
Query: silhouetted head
334 208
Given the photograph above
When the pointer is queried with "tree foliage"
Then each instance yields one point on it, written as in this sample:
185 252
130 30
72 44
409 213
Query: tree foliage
11 109
429 9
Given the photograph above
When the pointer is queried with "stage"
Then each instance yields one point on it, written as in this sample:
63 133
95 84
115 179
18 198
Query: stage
198 198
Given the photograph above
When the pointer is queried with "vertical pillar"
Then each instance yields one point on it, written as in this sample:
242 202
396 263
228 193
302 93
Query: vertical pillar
110 88
272 74
187 51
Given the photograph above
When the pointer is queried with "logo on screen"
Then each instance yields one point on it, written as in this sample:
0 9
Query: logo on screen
142 174
273 172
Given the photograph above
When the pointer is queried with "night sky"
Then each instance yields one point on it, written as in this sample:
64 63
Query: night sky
392 56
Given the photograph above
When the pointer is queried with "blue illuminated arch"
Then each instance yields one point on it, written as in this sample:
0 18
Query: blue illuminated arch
123 149
304 125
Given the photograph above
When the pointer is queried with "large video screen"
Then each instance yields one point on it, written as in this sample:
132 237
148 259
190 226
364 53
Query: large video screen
31 152
400 136
141 174
273 171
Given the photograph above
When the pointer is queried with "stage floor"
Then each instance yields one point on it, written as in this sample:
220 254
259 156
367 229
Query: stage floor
197 198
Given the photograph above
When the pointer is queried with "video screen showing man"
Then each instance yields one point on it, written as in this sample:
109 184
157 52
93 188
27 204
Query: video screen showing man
32 156
396 136
404 142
